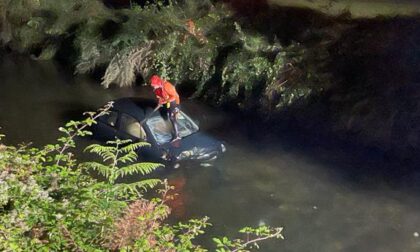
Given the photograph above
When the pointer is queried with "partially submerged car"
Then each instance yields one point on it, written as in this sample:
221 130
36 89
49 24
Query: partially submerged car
135 119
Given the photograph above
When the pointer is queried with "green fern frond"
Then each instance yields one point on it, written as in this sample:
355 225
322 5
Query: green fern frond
105 152
119 142
134 146
104 170
97 148
136 187
143 168
125 65
127 158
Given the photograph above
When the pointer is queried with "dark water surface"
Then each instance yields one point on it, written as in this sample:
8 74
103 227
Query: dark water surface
328 198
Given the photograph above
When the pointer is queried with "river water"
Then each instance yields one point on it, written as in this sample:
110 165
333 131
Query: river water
326 196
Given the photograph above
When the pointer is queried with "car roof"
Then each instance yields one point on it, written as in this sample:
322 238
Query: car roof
134 106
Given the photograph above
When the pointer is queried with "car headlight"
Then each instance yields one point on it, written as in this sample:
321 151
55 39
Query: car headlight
185 154
165 155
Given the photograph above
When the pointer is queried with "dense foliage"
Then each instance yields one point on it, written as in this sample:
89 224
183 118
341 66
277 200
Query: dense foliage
195 42
49 202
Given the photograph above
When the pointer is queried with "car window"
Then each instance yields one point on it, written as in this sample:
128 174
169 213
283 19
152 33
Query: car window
186 125
110 119
131 126
162 129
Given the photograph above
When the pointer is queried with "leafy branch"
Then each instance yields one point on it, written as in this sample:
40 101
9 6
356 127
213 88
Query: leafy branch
261 233
73 129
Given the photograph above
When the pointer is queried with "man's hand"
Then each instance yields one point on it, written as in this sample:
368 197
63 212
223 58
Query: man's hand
161 101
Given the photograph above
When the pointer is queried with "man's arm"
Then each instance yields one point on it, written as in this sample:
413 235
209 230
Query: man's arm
172 93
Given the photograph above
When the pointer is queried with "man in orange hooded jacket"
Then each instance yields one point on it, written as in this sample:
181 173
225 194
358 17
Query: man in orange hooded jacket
168 96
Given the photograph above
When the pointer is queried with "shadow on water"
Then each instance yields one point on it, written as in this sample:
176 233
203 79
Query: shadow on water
356 164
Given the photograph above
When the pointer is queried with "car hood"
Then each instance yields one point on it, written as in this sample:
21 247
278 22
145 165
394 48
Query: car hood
197 146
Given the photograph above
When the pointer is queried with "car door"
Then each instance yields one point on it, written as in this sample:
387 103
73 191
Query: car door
106 127
130 128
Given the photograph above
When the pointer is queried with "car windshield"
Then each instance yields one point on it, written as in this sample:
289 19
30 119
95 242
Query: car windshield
162 129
